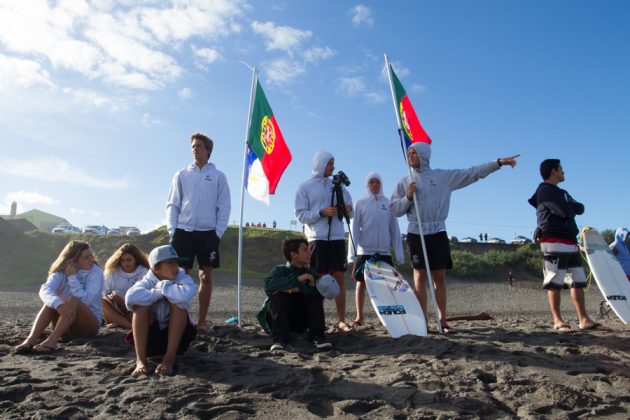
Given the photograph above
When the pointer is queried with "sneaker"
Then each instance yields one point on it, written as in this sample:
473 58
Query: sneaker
321 344
277 346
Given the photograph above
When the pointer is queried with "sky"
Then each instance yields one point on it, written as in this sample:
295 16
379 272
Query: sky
98 100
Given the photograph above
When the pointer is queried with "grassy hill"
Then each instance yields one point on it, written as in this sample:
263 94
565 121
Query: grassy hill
26 257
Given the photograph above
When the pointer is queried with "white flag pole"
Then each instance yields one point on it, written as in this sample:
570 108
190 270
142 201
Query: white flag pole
415 199
240 225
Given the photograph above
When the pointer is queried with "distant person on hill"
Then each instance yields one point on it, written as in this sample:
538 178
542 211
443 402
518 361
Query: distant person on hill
72 300
433 188
485 237
274 224
295 303
197 214
556 234
481 237
160 303
316 208
123 269
374 230
620 247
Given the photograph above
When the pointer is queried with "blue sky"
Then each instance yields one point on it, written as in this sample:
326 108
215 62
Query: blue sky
98 100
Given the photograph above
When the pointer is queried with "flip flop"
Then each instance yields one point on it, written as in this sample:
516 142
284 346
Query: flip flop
24 348
355 323
593 326
44 349
563 328
447 329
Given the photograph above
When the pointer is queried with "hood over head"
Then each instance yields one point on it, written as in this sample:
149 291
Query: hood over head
621 235
424 152
320 160
370 176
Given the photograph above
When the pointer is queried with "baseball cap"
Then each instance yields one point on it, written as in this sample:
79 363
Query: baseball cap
327 286
163 253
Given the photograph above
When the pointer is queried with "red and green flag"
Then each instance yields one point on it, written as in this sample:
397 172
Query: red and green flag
412 130
267 153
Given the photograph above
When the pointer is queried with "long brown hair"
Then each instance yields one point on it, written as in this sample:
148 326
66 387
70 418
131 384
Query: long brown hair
70 253
113 263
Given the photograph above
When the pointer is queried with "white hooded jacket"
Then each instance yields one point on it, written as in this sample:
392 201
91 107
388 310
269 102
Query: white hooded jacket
314 195
199 200
434 191
119 281
374 227
161 293
87 285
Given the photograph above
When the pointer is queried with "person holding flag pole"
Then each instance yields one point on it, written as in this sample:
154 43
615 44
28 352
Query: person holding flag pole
424 196
265 158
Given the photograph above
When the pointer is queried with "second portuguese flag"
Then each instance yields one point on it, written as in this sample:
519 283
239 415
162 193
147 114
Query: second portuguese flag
265 140
411 128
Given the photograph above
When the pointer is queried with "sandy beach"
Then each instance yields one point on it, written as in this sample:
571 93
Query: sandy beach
513 366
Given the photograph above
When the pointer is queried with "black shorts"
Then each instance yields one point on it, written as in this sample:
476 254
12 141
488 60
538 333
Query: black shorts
438 251
328 256
157 340
360 260
203 245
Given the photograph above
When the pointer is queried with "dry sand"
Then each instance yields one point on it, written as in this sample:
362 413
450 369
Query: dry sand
513 366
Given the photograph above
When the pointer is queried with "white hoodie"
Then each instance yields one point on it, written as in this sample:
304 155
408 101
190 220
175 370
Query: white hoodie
199 200
87 285
374 227
315 195
161 293
119 281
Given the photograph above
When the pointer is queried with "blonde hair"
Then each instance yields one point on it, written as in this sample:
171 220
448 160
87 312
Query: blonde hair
113 263
70 253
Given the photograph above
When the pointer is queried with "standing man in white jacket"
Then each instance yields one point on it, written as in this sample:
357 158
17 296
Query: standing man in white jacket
316 209
374 230
197 214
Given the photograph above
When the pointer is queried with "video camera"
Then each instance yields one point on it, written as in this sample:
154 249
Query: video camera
339 179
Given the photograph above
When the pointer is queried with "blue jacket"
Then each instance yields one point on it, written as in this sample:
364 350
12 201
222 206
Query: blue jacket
620 248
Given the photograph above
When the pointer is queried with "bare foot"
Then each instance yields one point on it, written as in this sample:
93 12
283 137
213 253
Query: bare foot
164 368
45 346
141 369
344 327
203 328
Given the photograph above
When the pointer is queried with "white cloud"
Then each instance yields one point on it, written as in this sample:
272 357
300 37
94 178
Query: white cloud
361 15
205 56
76 211
58 170
27 197
283 71
15 72
355 86
92 98
283 38
148 120
315 54
184 94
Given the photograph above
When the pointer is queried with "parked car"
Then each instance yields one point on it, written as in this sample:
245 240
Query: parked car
521 240
468 240
65 228
114 231
495 241
95 230
133 231
453 239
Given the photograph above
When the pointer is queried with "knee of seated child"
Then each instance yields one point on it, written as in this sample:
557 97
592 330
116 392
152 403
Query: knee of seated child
141 309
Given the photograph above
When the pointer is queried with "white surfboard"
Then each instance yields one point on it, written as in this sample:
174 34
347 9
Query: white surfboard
394 300
609 275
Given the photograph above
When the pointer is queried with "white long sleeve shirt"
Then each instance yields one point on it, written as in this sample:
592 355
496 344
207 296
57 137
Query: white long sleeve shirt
315 195
374 227
151 291
119 281
199 200
87 285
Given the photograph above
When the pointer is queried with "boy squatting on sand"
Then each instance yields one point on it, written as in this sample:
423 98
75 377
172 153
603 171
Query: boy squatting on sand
160 303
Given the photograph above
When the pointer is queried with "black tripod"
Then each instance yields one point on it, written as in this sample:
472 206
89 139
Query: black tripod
337 193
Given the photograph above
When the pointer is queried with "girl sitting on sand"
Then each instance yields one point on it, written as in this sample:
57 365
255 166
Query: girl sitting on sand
72 299
125 267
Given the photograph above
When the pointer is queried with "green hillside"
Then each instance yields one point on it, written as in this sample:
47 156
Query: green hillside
26 257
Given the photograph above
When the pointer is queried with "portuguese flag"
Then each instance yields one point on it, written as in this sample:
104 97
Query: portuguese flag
268 155
412 130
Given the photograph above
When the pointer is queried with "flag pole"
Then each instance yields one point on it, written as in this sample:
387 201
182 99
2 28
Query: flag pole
240 224
415 198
